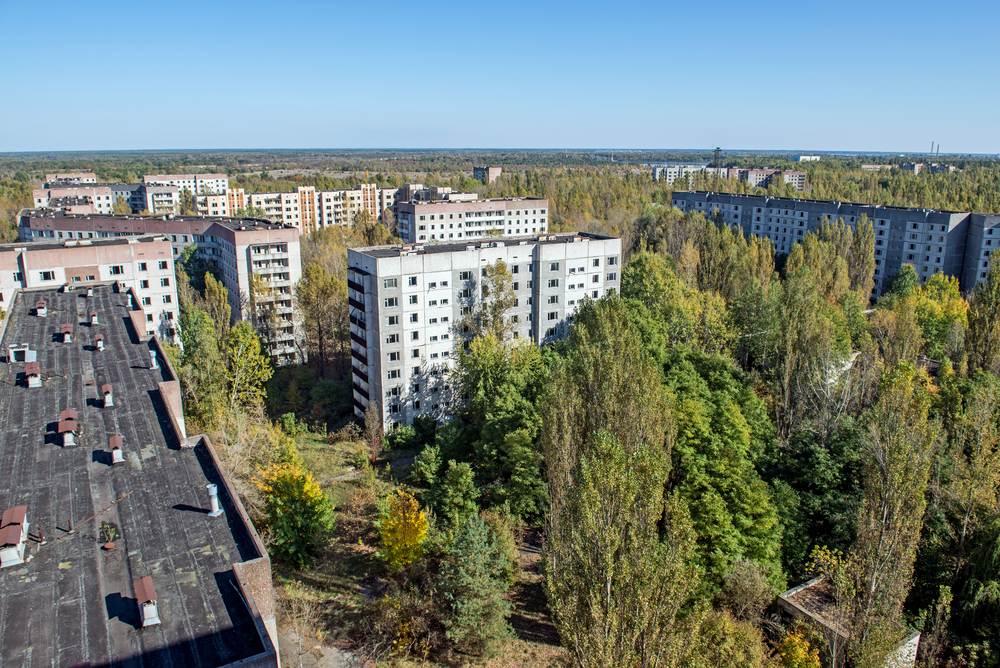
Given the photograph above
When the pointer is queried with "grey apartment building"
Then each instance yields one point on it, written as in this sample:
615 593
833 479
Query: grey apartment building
407 302
955 243
458 218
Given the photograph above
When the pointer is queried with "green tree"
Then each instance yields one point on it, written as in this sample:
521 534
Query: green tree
122 207
248 368
897 457
497 298
217 305
984 320
618 589
454 496
297 511
320 298
473 583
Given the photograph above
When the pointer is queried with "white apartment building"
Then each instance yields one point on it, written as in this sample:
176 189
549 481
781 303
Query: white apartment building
195 183
309 209
144 264
407 304
461 219
237 247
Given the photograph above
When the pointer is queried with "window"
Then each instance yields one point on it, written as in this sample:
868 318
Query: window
149 317
393 373
444 319
612 277
414 336
595 278
117 270
164 282
554 266
553 299
413 299
415 353
48 276
163 264
465 294
167 299
595 294
392 338
413 280
513 269
432 286
414 318
551 331
389 282
395 407
465 276
143 285
612 261
142 266
393 319
391 302
432 321
553 315
553 282
146 301
393 357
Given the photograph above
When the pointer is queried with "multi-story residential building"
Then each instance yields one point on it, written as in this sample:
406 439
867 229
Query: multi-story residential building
258 261
196 184
809 158
309 209
74 197
487 174
932 241
407 304
142 264
216 204
71 177
456 220
670 173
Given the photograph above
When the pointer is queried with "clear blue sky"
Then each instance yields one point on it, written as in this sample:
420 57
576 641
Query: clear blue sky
879 75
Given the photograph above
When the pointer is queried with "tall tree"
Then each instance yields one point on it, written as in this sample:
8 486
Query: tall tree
984 320
897 456
249 369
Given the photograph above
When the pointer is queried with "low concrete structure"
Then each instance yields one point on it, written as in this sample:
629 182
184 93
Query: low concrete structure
815 601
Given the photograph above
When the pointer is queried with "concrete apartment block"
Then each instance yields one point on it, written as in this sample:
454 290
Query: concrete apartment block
447 220
487 174
931 241
407 304
143 264
71 177
196 184
237 247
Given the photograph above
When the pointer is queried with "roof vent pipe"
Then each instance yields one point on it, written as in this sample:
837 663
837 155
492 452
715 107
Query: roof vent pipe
213 497
152 360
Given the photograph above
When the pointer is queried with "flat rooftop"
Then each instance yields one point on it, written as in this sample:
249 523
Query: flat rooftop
72 243
482 242
225 221
72 601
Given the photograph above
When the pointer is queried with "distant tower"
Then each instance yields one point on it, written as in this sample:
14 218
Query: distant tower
718 157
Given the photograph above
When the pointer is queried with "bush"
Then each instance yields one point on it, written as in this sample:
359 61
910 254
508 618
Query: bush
298 513
796 652
291 426
402 438
746 592
474 581
402 528
454 494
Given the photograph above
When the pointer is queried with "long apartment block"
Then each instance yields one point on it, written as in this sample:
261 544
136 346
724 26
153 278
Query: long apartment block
407 304
237 247
954 243
463 217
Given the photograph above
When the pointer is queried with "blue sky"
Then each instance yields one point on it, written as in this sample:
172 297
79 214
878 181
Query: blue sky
881 75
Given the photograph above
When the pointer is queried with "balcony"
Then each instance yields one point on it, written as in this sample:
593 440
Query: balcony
361 391
357 287
355 303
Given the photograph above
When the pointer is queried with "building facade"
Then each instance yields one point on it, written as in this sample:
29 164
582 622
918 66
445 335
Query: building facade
407 304
196 184
487 174
460 219
954 243
144 264
258 261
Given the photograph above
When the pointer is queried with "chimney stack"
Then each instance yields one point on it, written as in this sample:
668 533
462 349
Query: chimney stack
213 497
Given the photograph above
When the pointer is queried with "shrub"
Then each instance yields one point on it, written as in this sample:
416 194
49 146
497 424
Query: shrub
796 652
298 513
454 495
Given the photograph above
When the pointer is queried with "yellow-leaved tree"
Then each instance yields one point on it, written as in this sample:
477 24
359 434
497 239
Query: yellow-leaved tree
402 528
297 511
